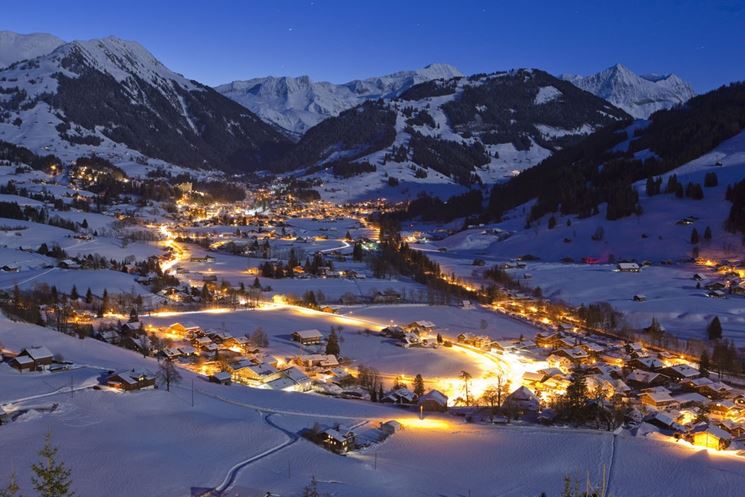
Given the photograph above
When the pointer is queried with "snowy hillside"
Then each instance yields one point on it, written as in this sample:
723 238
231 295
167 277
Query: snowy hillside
114 98
298 103
15 47
462 131
638 95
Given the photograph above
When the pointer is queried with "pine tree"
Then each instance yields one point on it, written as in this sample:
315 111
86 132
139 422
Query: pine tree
707 234
88 296
551 222
704 365
12 489
52 479
256 283
714 330
105 304
133 317
419 385
694 236
311 490
74 293
332 346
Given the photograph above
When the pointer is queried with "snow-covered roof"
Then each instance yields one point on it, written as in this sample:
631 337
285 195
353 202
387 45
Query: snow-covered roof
306 334
435 396
38 353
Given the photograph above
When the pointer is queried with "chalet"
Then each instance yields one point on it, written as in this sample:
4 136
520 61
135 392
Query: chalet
522 399
639 298
628 267
691 399
421 328
710 437
434 400
681 372
563 363
646 364
132 327
658 398
131 380
301 382
386 297
394 332
723 408
109 336
308 337
714 390
663 420
68 264
255 374
400 396
317 360
646 379
338 442
221 377
186 329
202 343
32 359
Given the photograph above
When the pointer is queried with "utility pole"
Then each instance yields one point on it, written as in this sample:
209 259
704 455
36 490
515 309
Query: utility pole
72 390
192 392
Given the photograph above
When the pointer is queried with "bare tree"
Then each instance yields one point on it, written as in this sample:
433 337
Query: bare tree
466 377
168 374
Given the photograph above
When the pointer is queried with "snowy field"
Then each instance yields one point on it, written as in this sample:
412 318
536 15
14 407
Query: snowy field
156 443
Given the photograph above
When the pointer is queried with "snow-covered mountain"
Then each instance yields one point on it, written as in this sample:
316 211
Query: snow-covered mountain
298 103
15 47
640 96
114 98
460 131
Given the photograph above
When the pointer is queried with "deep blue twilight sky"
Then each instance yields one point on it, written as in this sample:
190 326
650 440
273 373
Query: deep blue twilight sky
216 41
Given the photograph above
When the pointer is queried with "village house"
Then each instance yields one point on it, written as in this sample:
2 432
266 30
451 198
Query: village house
221 377
422 328
400 396
316 360
308 337
646 379
710 437
32 359
131 380
254 374
628 267
434 401
523 400
338 441
658 398
681 372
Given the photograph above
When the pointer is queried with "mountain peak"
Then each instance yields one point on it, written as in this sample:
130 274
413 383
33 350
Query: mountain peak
640 96
15 47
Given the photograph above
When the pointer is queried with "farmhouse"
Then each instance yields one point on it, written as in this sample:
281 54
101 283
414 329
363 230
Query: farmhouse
522 399
711 437
131 380
434 400
308 337
338 442
628 267
32 359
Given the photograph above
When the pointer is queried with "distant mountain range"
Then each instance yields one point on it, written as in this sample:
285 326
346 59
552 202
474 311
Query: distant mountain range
113 98
640 96
296 104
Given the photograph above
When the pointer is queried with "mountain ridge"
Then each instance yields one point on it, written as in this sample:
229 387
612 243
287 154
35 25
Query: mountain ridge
296 104
638 95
